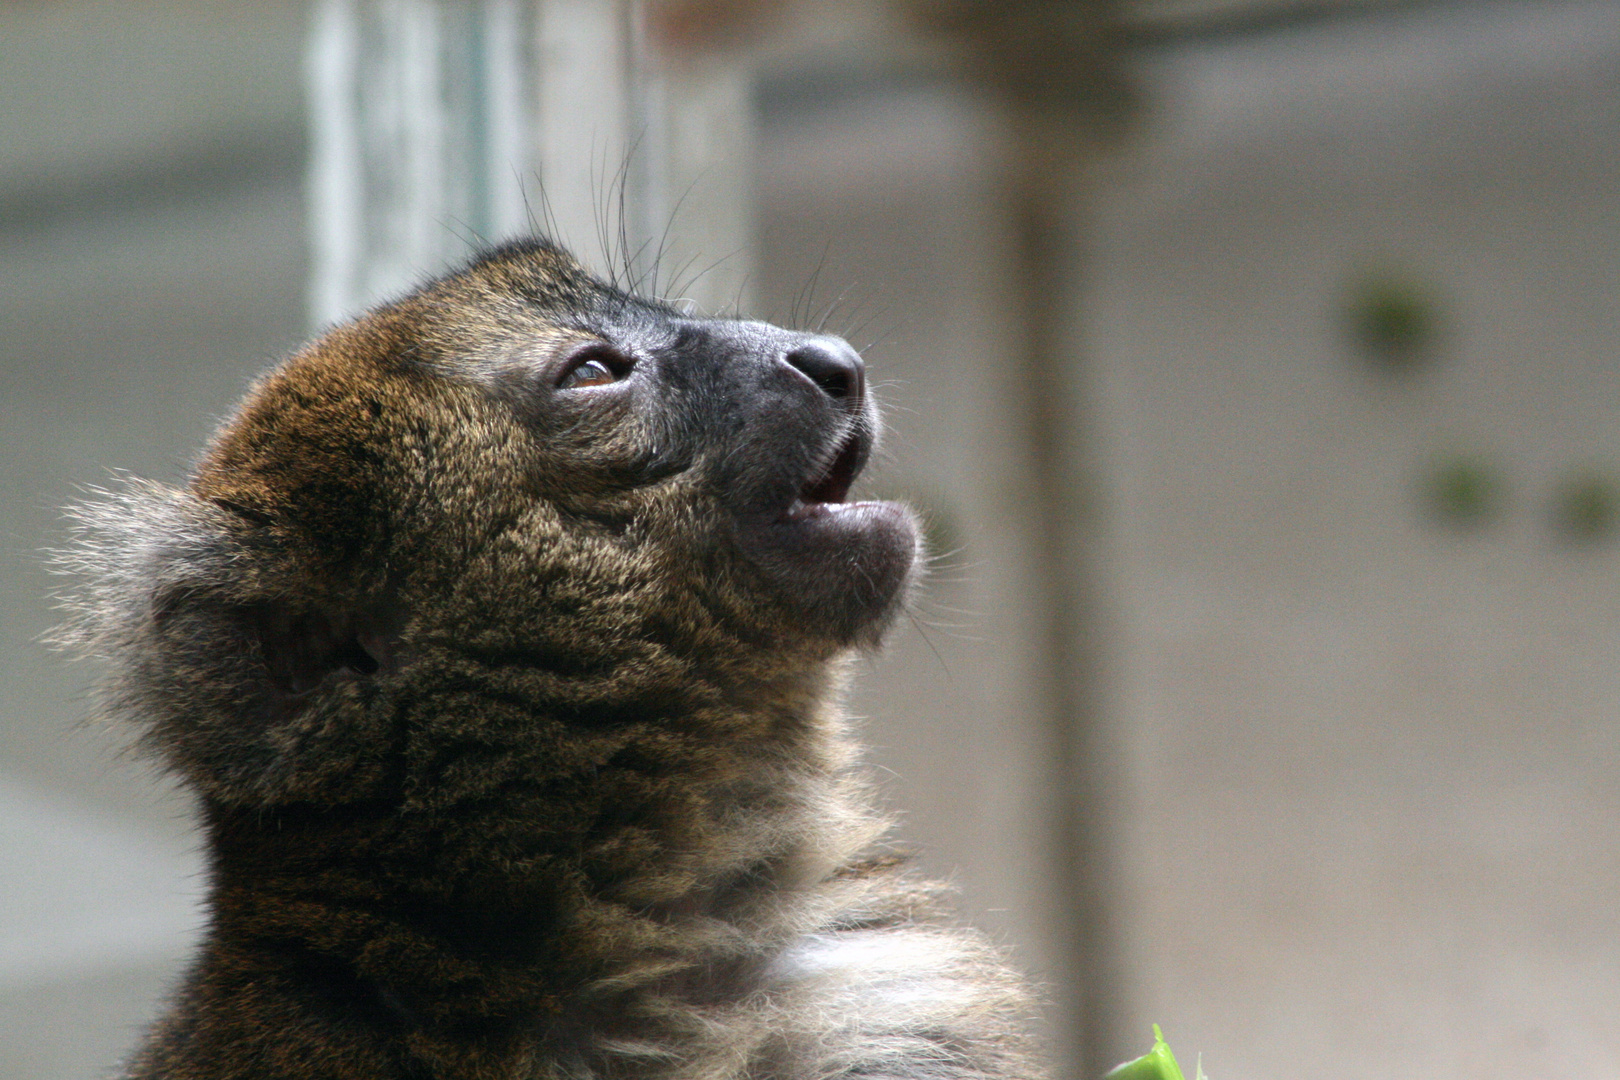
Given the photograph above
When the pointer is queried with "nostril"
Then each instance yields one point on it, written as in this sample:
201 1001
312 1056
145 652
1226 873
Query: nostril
831 364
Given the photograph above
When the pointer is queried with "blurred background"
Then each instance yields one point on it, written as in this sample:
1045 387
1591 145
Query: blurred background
1256 362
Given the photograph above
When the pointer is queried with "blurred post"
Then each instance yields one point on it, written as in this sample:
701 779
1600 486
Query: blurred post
420 115
444 126
1051 66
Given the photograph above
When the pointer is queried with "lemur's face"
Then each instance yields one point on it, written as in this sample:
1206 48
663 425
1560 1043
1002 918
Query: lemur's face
523 464
728 447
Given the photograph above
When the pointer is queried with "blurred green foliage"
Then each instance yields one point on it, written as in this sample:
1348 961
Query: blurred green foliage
1393 320
1586 507
1464 492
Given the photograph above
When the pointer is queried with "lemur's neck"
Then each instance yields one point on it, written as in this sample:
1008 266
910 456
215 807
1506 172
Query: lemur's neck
522 865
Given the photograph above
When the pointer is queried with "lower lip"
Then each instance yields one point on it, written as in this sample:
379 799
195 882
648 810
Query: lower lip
801 511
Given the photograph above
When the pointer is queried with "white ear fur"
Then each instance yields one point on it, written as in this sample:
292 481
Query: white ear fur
172 593
141 552
134 549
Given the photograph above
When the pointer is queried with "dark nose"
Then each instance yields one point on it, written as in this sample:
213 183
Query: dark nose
831 364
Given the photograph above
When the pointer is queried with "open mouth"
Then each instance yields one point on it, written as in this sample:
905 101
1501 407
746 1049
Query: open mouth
842 564
829 488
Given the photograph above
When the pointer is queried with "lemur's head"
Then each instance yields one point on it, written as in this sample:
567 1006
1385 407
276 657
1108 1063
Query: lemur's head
517 469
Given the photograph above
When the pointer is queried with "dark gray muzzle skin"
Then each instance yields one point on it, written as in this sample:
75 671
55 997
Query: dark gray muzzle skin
805 429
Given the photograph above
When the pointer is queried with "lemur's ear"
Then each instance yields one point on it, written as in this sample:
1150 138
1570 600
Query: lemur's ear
137 552
245 512
222 654
302 649
303 645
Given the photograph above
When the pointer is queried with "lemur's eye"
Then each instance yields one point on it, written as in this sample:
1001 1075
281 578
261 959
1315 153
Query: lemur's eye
596 367
590 373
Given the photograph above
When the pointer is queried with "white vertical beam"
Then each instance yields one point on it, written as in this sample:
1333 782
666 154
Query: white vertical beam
335 165
509 150
406 149
441 126
422 141
583 137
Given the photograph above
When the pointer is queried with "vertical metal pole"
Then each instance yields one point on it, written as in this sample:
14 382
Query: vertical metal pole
1070 617
1049 63
408 143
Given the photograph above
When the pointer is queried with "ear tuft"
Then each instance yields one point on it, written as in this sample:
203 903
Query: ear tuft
220 652
135 550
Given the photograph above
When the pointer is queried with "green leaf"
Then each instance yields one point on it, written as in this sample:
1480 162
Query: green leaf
1157 1064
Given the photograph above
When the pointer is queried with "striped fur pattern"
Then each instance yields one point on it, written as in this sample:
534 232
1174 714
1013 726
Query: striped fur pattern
501 636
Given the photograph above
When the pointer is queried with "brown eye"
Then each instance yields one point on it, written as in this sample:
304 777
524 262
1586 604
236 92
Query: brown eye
594 370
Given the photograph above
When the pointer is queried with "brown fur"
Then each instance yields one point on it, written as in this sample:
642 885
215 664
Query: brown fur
512 708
